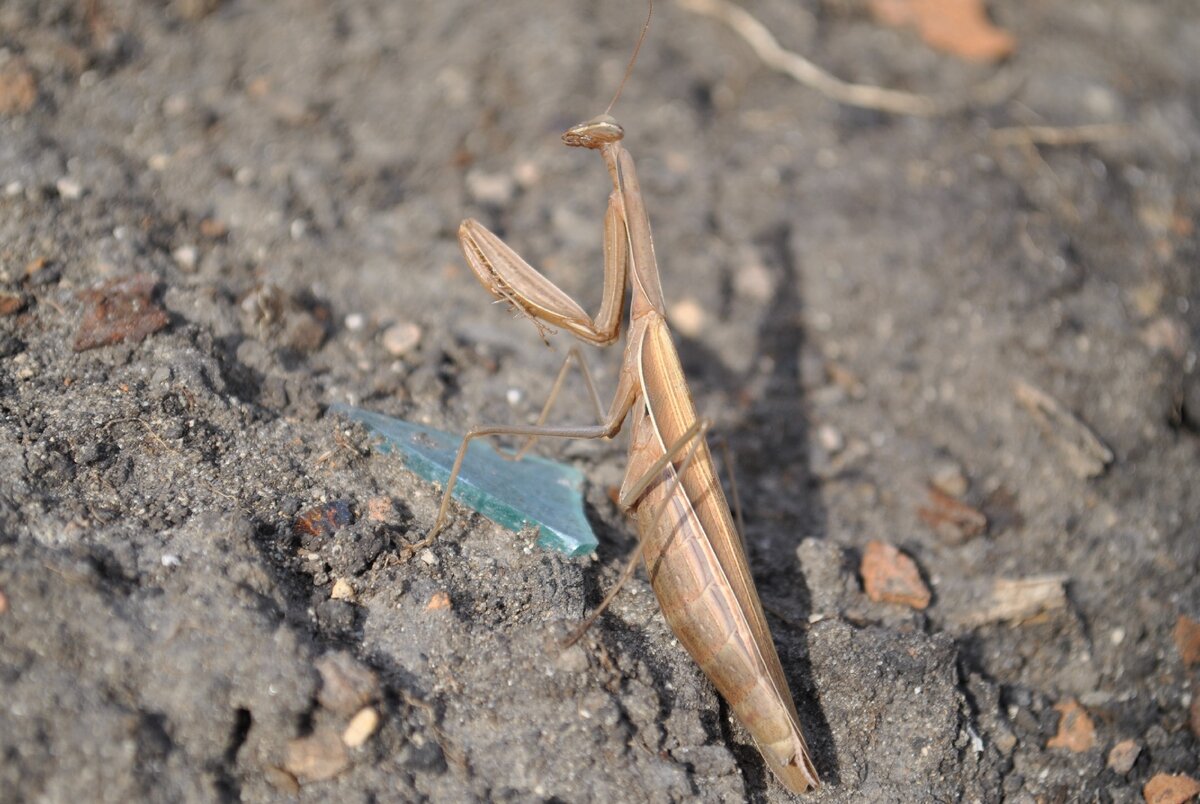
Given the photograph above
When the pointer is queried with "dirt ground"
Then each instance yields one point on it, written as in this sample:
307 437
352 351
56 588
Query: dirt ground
218 218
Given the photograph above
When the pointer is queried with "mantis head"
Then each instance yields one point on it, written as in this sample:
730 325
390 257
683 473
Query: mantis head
595 133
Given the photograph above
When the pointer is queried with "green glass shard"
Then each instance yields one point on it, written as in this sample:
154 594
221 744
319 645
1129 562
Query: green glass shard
513 494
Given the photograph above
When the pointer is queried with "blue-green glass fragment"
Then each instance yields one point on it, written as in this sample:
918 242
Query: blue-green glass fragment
514 494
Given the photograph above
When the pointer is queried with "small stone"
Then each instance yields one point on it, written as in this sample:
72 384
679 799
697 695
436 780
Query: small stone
11 302
382 509
948 478
438 601
3 603
754 281
496 189
1076 732
158 162
428 557
355 322
1165 334
572 660
830 438
347 685
1194 712
1187 639
400 339
688 317
361 727
69 189
342 590
1123 755
889 576
281 780
170 560
185 257
319 756
1167 788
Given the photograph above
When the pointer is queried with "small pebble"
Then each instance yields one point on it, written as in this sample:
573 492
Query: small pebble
496 189
298 228
14 188
400 339
688 317
754 281
185 257
170 560
3 603
158 162
948 478
342 590
381 509
361 727
1123 755
69 189
428 557
830 438
513 395
347 685
355 322
321 755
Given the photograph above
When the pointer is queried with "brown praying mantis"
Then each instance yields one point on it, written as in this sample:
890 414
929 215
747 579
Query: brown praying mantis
692 550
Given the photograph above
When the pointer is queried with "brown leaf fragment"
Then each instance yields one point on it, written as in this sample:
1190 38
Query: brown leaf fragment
1166 788
18 88
1123 755
319 756
10 302
889 576
954 521
1018 599
958 27
1084 452
1076 731
119 310
1187 639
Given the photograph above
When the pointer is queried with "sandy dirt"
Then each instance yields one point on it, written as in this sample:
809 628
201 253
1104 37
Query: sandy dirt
218 218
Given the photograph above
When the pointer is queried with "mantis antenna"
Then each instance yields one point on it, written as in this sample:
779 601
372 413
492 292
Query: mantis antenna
633 58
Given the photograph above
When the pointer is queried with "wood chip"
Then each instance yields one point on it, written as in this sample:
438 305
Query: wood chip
1167 788
1085 453
889 576
1187 639
1076 732
956 522
1123 755
1019 599
319 756
361 727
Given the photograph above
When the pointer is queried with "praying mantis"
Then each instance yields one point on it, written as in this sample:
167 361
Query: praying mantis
692 550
